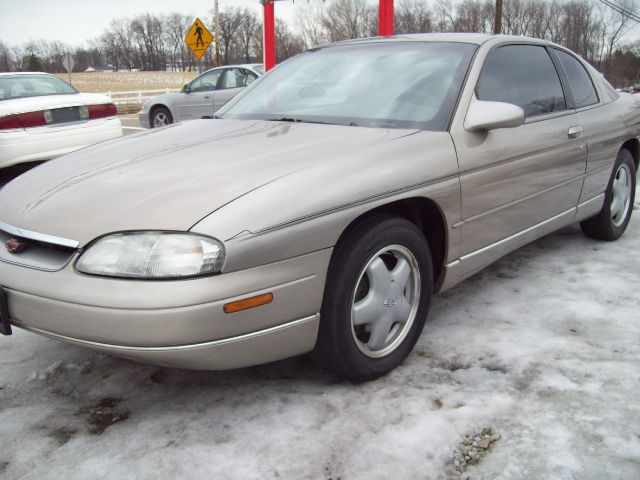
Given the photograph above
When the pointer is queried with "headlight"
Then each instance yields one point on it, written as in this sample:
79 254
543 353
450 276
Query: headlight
154 255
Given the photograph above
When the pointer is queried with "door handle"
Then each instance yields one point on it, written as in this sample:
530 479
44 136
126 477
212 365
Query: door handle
207 97
575 132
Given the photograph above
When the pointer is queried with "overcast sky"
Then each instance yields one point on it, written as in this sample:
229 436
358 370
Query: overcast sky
76 21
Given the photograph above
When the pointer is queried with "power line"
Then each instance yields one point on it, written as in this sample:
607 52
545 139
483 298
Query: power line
621 10
623 7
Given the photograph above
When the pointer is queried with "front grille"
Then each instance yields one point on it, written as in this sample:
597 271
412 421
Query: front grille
41 252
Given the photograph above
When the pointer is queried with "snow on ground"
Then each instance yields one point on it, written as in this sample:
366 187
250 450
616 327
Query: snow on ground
543 346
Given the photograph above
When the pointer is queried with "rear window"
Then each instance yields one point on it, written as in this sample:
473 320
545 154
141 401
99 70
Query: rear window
21 86
584 93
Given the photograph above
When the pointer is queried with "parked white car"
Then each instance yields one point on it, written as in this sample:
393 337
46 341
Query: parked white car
43 117
199 98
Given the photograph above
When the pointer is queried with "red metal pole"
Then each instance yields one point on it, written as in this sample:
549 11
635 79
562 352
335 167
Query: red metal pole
385 17
269 36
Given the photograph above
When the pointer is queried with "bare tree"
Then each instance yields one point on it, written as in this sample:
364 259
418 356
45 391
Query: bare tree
615 24
413 16
308 21
248 24
345 19
176 26
6 60
287 43
230 26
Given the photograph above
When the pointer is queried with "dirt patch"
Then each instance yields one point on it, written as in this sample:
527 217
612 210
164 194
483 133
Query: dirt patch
470 451
495 367
103 414
63 435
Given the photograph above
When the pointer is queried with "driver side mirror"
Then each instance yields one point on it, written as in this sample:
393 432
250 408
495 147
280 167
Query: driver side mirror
186 88
491 115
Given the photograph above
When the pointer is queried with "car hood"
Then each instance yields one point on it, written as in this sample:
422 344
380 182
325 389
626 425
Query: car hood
34 104
170 178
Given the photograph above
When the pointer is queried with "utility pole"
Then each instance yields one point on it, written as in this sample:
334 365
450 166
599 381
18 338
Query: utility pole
497 22
217 32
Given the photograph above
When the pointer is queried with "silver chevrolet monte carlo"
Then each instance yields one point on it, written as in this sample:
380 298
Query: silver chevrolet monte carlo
321 208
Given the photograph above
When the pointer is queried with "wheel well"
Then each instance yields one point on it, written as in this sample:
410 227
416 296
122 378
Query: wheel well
156 107
426 215
632 146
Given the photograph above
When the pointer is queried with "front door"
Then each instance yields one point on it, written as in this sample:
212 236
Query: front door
515 178
198 102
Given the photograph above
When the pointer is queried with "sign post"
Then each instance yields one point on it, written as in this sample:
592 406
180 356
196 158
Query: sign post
269 35
68 63
198 39
385 17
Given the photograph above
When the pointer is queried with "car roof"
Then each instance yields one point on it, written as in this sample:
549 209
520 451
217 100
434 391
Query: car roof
474 38
4 74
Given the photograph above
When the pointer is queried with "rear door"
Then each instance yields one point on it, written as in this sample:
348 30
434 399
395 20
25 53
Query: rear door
515 178
234 80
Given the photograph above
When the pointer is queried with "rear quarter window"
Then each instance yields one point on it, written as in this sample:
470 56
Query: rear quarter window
584 92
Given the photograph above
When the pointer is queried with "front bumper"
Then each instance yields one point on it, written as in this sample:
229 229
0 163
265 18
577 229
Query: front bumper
264 346
175 323
143 118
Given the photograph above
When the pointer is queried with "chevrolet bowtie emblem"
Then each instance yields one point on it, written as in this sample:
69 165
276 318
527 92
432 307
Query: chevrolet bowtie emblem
14 245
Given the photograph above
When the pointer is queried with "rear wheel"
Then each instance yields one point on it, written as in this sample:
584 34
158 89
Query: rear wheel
614 217
376 299
160 117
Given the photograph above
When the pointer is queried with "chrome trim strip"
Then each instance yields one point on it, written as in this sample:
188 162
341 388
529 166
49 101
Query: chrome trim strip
597 198
531 196
212 343
512 237
38 237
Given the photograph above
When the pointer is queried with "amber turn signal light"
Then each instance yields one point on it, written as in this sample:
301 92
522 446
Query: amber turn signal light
248 303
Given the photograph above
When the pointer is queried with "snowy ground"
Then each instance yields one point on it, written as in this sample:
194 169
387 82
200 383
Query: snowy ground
544 347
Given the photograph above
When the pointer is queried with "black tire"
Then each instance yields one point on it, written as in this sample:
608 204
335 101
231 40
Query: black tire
160 117
339 348
604 226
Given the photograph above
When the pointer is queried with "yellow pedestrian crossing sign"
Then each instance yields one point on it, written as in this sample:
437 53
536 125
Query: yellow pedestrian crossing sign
198 38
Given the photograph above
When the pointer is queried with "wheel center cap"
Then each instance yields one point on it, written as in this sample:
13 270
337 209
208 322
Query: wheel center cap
390 302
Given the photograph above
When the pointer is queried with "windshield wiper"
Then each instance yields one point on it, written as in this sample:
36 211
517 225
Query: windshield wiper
296 120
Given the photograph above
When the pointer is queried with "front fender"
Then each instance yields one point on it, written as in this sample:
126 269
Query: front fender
308 209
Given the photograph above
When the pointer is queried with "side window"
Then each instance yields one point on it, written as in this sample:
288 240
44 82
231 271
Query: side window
584 93
250 76
205 82
523 75
238 78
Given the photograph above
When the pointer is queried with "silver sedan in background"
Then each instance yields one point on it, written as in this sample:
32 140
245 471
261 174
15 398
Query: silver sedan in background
199 98
322 207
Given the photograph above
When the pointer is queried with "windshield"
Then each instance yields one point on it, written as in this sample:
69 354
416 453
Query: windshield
385 85
20 86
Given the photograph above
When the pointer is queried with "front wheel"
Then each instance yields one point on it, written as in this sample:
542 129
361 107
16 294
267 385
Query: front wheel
376 299
160 117
614 217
